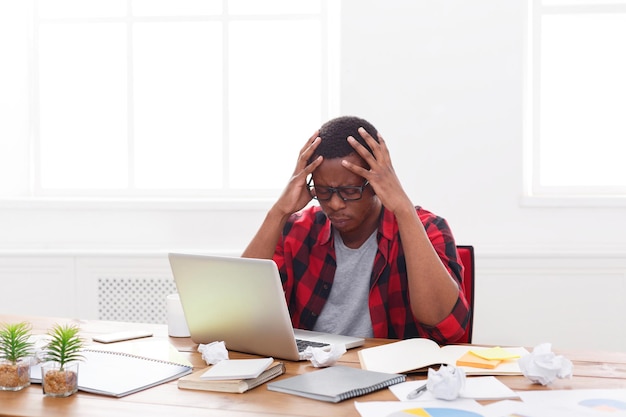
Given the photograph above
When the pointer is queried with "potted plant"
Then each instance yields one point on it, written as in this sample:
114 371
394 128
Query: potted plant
15 347
59 372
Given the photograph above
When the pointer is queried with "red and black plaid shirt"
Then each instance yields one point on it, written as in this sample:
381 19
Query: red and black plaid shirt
307 262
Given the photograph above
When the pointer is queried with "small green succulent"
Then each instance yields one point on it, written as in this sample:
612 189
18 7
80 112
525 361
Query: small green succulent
65 345
14 341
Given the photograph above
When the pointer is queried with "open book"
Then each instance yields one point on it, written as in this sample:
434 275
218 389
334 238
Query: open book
418 354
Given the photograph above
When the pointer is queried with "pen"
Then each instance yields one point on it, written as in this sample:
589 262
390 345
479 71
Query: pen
416 392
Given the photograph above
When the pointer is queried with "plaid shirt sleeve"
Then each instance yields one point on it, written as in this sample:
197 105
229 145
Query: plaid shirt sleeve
306 260
389 302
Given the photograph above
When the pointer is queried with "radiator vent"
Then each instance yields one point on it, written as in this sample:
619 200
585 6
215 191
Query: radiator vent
138 300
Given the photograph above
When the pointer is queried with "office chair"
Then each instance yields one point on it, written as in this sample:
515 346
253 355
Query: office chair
466 258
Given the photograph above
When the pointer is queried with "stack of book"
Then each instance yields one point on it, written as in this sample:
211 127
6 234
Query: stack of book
233 375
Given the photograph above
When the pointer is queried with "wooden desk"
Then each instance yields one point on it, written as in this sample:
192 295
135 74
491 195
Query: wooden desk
591 370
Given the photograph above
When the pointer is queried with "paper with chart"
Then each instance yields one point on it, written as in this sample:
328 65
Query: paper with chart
607 401
436 408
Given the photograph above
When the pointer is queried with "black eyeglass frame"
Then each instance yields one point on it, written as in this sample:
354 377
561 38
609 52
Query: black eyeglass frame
338 190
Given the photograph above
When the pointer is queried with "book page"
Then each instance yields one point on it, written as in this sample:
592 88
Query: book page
237 369
402 356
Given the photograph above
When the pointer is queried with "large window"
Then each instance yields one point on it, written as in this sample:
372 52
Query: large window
577 105
160 98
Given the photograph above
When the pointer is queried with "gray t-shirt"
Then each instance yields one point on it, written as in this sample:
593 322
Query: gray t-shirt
346 311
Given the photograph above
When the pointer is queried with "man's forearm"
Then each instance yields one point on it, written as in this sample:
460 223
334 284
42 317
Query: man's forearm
432 290
264 242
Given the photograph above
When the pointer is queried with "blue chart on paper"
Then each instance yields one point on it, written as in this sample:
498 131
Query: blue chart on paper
604 404
434 412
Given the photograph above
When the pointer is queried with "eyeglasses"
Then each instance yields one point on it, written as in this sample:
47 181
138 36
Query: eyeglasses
345 193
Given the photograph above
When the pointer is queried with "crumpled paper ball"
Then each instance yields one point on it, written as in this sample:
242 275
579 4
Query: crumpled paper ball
542 366
213 352
446 383
324 356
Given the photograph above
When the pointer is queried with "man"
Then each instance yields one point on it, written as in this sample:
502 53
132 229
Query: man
366 261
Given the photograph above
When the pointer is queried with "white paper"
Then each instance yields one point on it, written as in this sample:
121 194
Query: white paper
446 383
606 401
214 352
519 408
476 388
321 357
486 388
542 366
237 369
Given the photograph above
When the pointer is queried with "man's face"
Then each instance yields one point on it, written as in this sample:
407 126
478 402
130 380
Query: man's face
346 216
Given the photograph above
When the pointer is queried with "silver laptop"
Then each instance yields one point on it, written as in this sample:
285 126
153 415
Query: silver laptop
241 301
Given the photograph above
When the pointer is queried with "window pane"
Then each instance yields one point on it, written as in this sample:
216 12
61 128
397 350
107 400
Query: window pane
82 88
273 6
275 84
176 8
583 100
131 96
14 146
81 8
178 105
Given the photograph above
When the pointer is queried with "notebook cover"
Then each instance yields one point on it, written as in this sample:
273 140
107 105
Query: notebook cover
336 383
118 374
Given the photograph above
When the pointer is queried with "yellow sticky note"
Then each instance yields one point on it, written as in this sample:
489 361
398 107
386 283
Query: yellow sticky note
468 359
496 353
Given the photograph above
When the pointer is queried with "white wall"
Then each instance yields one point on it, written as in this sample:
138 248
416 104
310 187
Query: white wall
443 82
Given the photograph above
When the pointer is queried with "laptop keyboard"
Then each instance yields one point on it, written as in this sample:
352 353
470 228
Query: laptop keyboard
303 344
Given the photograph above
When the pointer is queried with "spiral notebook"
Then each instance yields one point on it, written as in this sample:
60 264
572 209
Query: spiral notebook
336 383
118 374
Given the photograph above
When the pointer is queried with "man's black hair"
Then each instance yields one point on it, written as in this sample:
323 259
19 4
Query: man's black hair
335 132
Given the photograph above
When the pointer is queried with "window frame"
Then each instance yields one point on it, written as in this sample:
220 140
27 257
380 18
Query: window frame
203 199
535 194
